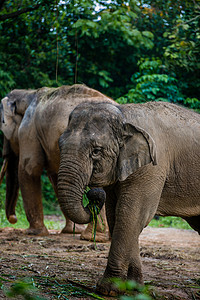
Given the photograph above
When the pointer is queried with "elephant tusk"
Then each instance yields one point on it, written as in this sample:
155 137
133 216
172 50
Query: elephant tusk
3 169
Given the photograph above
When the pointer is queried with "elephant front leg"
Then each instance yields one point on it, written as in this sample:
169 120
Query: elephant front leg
123 261
124 258
137 200
32 198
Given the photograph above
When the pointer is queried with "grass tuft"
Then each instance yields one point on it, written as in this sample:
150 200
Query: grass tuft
95 212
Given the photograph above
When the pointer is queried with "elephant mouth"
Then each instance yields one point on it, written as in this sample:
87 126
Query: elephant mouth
95 199
100 180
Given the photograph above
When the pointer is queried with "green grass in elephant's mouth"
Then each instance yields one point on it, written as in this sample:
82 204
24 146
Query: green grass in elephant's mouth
94 208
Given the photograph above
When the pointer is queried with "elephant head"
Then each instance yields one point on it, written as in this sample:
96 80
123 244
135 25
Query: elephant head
12 109
98 148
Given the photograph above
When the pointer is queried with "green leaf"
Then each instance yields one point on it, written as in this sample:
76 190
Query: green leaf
148 34
85 198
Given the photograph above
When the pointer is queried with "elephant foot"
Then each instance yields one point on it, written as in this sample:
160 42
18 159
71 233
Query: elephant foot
69 228
102 236
37 231
107 287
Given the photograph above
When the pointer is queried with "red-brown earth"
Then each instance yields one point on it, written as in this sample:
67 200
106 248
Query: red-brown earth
170 259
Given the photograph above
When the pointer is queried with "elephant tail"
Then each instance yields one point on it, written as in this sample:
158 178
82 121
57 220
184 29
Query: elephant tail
10 169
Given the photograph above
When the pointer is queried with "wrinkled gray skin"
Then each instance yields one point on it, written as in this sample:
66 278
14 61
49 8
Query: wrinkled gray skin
147 158
32 122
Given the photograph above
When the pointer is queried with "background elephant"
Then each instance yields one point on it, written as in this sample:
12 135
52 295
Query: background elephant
32 122
147 158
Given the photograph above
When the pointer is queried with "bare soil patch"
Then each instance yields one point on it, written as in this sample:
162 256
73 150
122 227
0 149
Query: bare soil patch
170 257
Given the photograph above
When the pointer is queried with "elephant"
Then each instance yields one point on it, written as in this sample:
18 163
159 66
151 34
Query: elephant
147 159
32 122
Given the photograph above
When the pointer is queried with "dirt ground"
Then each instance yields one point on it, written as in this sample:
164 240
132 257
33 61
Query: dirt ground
170 258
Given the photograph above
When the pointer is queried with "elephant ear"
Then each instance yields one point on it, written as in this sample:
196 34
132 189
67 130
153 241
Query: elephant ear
9 119
137 149
13 108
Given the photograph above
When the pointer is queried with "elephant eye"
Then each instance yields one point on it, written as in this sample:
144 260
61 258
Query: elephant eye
96 151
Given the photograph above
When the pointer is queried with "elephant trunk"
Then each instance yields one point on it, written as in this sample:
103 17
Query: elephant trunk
73 177
12 188
3 169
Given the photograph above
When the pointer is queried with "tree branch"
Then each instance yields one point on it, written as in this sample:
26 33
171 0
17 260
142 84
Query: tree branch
196 4
18 12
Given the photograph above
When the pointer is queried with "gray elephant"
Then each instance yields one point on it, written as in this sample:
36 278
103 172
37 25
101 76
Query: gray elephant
32 122
147 158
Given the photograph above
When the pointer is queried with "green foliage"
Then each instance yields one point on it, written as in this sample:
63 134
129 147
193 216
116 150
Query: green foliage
50 205
173 222
100 43
184 39
85 198
22 221
133 51
192 103
133 290
25 289
93 207
153 82
30 58
30 288
50 201
182 50
6 83
75 39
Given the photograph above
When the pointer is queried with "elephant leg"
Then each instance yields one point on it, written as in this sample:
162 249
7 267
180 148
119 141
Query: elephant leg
32 198
12 187
123 260
194 222
134 208
31 165
111 201
69 225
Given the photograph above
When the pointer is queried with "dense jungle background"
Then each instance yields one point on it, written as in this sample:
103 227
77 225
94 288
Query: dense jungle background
133 51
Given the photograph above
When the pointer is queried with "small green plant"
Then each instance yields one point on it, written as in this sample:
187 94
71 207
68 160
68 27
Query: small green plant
25 289
133 290
32 288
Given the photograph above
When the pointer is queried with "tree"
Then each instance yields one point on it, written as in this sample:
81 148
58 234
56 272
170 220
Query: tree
182 53
28 45
175 26
14 13
97 47
98 43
